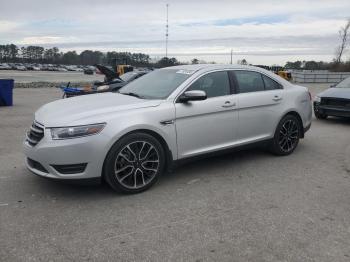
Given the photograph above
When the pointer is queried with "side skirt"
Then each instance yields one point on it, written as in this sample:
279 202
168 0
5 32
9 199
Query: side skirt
177 163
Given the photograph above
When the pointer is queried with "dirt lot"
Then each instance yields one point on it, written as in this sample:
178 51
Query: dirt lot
247 206
44 76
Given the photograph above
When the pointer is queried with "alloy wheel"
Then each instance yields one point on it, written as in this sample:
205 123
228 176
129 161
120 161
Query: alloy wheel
137 164
288 135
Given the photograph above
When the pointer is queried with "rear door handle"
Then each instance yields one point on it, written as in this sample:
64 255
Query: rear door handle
277 98
229 104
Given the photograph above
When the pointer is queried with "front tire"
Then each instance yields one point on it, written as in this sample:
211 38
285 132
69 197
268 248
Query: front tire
134 163
286 136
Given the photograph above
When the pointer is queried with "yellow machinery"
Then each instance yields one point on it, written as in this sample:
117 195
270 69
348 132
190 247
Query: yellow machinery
122 69
278 70
284 74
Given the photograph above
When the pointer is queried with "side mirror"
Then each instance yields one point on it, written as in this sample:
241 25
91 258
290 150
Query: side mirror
193 95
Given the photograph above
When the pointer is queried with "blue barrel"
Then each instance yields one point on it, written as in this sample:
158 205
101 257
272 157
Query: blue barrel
6 90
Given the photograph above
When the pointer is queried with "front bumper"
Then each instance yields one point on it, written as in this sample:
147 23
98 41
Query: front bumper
331 110
71 159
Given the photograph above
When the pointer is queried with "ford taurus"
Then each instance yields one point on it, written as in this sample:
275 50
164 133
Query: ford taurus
131 137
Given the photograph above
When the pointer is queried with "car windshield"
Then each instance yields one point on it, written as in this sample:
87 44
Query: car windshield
158 84
344 84
127 76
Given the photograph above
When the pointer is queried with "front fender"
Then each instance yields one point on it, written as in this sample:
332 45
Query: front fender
148 119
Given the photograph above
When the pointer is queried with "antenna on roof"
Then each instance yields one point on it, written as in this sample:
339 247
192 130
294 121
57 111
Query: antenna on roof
167 30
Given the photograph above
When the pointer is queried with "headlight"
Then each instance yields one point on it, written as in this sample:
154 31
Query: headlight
104 87
317 99
76 131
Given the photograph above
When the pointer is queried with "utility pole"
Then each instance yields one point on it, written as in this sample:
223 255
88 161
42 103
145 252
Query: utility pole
231 55
167 30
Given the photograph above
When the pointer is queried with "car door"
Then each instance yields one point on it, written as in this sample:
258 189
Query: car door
207 125
260 101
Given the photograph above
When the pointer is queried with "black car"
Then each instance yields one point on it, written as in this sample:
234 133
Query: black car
88 71
113 82
334 101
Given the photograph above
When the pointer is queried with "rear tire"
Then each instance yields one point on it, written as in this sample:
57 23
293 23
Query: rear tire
134 163
286 136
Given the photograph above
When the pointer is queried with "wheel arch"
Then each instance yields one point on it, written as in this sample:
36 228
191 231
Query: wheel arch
297 115
168 153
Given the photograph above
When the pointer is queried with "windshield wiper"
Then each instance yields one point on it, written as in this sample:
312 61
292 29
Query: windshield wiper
132 94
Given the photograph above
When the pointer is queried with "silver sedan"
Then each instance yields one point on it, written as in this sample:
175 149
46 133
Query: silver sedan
129 138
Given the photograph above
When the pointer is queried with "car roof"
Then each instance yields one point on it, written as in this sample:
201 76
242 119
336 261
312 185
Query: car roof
209 67
203 68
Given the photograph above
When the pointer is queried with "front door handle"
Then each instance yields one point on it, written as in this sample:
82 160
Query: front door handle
229 104
277 98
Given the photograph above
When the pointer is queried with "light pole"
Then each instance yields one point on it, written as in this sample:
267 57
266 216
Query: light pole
167 30
231 55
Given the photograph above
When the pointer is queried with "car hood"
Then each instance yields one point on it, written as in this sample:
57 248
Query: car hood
109 73
88 109
336 93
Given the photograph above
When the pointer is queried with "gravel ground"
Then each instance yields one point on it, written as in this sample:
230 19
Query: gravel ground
48 77
44 79
51 84
247 206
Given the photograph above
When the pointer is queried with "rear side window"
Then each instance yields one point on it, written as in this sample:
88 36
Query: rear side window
213 84
249 81
270 84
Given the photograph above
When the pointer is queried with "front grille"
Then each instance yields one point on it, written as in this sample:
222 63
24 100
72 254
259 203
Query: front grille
36 165
336 102
35 134
70 169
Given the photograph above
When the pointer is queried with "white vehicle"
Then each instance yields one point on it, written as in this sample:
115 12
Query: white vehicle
4 67
129 138
21 68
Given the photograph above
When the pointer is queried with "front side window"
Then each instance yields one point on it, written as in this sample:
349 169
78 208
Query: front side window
213 84
249 81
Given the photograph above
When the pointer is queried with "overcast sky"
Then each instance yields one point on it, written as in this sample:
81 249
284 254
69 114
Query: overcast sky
263 32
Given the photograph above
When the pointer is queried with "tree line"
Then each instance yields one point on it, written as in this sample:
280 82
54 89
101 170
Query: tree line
11 53
319 65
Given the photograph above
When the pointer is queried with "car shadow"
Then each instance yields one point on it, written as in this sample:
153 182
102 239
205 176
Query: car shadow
335 120
77 190
195 168
186 171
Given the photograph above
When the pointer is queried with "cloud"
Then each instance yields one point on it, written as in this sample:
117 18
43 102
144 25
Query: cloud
239 21
44 40
251 27
6 26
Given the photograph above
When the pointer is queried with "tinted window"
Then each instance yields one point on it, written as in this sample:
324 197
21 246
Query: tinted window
270 84
213 84
139 75
128 76
249 81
